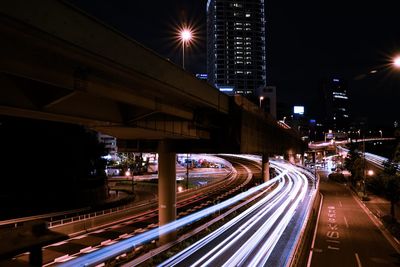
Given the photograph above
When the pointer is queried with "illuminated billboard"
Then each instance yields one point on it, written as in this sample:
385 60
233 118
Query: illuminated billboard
298 110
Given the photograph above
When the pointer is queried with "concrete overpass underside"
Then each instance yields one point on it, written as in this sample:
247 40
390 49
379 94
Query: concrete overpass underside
77 70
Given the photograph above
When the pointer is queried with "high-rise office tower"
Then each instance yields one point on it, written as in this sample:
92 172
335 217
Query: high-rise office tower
337 104
236 45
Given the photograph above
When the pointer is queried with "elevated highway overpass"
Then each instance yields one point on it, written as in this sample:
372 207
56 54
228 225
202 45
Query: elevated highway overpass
61 64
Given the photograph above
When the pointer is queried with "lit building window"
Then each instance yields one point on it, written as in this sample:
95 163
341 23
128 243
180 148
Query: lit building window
247 15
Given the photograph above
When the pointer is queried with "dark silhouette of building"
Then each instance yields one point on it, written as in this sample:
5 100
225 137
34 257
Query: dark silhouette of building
337 104
236 45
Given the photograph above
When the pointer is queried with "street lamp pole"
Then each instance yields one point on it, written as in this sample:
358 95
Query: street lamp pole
364 163
185 36
183 53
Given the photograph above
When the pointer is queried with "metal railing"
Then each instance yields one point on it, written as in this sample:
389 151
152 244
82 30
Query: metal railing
49 216
54 220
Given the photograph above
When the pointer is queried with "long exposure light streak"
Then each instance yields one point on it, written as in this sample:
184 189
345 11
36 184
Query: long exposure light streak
114 250
254 250
378 160
265 251
226 244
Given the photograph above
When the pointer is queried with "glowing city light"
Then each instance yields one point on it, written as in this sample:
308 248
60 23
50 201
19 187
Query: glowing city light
396 62
186 35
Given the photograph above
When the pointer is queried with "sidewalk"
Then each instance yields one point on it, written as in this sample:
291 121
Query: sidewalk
380 207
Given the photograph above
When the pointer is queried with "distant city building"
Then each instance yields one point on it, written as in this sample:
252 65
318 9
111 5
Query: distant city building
236 45
202 76
337 104
267 97
110 144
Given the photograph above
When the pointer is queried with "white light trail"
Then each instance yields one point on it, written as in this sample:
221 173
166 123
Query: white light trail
128 244
258 247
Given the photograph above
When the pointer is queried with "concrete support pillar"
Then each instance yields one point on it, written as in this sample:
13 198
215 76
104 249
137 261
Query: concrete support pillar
166 188
265 167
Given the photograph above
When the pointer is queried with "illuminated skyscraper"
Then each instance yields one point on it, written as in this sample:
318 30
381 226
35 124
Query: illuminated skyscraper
236 45
337 104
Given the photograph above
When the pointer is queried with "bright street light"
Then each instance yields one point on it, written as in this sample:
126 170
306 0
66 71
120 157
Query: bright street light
261 99
396 62
186 35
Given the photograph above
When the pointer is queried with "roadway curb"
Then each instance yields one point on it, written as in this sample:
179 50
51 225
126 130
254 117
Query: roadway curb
315 230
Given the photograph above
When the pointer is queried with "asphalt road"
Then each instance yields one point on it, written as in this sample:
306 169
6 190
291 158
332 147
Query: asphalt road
346 235
264 235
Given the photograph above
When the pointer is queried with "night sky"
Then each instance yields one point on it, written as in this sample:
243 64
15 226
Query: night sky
307 41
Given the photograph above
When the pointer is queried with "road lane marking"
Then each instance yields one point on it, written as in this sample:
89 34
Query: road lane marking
333 229
345 220
358 260
340 203
333 241
333 248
